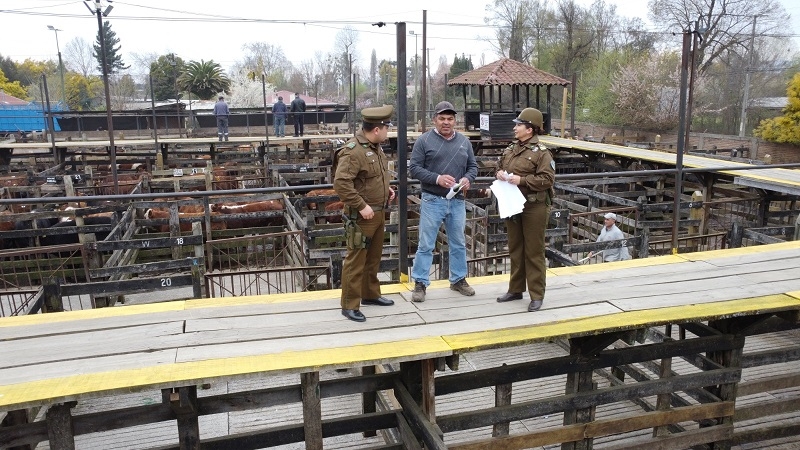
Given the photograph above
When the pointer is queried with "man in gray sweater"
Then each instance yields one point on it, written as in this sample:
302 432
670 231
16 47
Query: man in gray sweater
444 163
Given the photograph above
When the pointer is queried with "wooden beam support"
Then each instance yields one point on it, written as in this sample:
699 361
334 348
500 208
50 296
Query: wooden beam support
183 401
312 410
60 432
423 429
369 399
502 397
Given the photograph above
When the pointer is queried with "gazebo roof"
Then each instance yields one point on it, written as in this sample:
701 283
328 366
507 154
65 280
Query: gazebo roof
506 71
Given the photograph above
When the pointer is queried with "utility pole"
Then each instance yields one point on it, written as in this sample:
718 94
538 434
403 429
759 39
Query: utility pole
416 76
746 96
60 67
112 148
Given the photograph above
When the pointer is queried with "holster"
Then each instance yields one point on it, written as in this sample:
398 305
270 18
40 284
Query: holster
353 234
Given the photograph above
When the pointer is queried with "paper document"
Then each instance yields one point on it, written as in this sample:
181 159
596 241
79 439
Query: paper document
510 200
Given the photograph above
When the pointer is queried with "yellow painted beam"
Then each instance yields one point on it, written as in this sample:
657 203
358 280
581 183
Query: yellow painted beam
620 321
89 314
18 396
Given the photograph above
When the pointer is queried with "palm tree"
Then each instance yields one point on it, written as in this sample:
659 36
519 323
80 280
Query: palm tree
205 79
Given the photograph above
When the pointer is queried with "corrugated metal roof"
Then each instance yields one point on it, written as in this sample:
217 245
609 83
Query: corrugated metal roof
506 71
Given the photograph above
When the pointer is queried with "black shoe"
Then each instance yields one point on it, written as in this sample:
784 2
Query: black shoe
380 301
508 296
535 305
354 315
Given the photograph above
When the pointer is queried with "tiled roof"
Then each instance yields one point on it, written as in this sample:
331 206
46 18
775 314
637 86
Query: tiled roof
507 72
10 100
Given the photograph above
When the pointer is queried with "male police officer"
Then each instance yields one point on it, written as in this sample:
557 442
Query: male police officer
362 183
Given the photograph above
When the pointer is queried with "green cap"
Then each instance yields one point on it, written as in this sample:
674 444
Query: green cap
530 116
378 115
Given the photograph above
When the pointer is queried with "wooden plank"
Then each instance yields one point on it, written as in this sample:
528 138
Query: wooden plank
619 321
22 395
91 344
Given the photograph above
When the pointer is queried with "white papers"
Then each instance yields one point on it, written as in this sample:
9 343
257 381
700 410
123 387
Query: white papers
510 200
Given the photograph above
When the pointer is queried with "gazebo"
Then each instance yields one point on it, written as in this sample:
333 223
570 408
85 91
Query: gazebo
499 106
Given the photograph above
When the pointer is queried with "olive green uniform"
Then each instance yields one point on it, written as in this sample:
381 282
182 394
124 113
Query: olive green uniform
534 165
361 179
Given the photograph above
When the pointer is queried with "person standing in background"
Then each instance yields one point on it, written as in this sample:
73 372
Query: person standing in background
221 112
298 108
529 165
279 112
611 232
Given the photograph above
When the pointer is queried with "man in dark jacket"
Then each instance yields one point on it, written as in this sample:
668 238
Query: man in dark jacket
279 114
221 112
298 108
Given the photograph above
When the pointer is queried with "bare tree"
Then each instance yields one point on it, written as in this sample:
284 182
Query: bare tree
724 25
345 47
263 58
140 67
515 27
79 56
576 37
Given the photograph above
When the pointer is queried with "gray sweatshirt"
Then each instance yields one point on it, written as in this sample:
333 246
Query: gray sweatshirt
434 155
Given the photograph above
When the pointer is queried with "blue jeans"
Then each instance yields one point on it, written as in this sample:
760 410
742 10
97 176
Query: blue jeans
433 211
280 126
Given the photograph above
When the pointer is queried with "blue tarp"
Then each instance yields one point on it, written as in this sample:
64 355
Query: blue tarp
30 117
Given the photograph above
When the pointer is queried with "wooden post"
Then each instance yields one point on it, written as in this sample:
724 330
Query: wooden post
729 359
797 229
312 410
663 401
502 397
183 401
59 427
52 296
174 228
737 234
369 399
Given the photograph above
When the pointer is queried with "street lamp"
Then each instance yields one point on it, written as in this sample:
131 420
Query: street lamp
60 66
416 76
97 9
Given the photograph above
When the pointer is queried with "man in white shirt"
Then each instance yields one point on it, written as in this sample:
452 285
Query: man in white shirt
610 232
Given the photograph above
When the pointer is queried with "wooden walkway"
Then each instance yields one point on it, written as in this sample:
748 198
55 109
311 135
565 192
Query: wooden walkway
75 356
786 181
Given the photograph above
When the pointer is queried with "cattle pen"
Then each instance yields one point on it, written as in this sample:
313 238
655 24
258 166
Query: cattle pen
691 344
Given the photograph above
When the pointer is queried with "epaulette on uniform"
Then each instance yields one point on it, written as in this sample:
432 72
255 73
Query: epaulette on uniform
351 145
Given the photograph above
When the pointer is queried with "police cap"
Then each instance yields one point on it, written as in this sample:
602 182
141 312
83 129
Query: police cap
530 116
378 115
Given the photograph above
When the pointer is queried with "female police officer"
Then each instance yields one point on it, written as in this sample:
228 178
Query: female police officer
528 164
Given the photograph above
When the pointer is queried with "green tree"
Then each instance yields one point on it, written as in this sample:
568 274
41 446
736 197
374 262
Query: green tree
204 79
459 66
785 128
83 92
9 67
12 88
165 71
113 58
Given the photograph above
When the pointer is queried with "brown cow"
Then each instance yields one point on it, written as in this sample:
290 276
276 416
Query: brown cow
319 193
161 213
248 208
